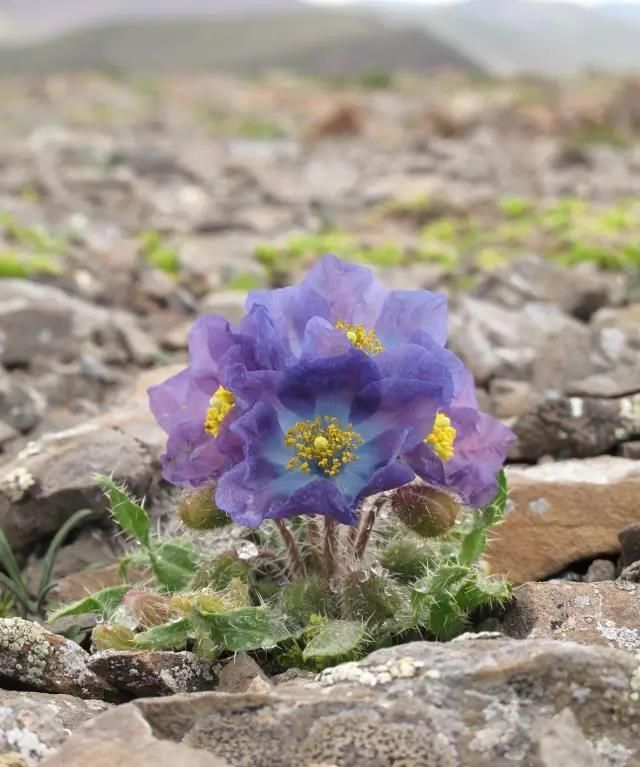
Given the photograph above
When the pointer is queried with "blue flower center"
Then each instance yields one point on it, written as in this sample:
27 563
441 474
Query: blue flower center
323 445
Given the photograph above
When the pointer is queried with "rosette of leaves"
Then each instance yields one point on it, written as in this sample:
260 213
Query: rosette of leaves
411 569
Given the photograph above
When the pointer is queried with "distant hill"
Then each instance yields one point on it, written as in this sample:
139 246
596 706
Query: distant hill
515 36
321 42
32 19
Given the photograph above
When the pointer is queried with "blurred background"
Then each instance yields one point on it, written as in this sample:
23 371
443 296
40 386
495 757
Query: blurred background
160 158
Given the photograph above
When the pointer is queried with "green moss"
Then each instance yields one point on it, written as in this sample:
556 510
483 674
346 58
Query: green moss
157 253
244 281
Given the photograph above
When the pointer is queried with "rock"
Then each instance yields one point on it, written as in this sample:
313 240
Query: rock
127 741
228 303
630 544
537 342
617 382
34 725
53 477
587 613
37 660
21 407
600 570
242 674
630 450
142 673
562 742
567 427
475 702
141 346
509 399
7 433
344 120
629 575
562 512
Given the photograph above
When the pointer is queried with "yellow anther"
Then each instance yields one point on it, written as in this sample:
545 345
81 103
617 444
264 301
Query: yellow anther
322 445
442 437
361 338
219 405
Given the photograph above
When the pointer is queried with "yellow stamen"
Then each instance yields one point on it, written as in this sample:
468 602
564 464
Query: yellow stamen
361 338
322 445
219 405
442 437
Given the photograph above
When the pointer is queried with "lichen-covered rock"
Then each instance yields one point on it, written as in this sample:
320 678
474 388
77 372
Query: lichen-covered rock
33 658
142 673
562 512
474 702
589 613
34 724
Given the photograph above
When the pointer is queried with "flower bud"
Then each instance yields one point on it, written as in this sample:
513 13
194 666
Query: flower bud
112 636
427 511
149 609
198 510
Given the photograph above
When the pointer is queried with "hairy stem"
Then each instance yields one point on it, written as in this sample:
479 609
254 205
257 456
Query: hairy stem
364 532
294 560
330 546
315 539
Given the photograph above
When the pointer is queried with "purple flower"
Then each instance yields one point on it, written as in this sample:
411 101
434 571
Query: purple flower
197 406
465 449
340 305
330 432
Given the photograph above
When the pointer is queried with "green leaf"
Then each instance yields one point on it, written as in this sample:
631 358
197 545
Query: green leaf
446 619
481 590
243 629
46 583
173 564
303 598
336 640
129 515
474 541
167 636
102 602
14 581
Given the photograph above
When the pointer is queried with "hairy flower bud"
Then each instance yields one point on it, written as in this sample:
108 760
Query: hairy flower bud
425 510
198 510
149 609
111 636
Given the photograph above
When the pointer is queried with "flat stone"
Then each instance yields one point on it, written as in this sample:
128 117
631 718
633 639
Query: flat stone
142 673
37 660
563 512
587 613
34 725
474 702
617 382
630 450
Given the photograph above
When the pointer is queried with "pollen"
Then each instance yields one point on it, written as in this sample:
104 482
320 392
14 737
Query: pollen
219 405
442 437
361 338
322 446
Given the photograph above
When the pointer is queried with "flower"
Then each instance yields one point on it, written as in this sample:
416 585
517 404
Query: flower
197 406
340 305
330 433
465 449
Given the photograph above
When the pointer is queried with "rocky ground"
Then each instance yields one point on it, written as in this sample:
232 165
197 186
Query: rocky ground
129 206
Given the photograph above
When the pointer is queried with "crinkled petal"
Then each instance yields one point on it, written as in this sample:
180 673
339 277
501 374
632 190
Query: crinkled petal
405 311
192 457
322 339
179 400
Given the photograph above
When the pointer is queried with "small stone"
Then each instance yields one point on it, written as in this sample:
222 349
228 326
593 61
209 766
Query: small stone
242 674
630 544
509 399
600 570
630 450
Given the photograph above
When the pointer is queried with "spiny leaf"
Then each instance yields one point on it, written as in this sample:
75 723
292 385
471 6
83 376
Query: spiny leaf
241 630
336 639
102 602
166 636
129 515
475 540
173 564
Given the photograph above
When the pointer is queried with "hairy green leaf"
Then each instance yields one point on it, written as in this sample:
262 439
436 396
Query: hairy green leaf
240 630
167 636
129 515
173 564
102 602
336 639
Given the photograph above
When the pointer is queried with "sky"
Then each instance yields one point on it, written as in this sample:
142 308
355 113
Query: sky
445 2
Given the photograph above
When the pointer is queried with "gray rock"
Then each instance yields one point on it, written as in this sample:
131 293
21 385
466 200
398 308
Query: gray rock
228 303
629 544
478 702
21 406
621 380
142 673
242 674
510 399
34 725
600 570
37 660
567 427
630 450
54 476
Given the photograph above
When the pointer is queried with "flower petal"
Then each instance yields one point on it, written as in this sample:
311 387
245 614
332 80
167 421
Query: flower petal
405 311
